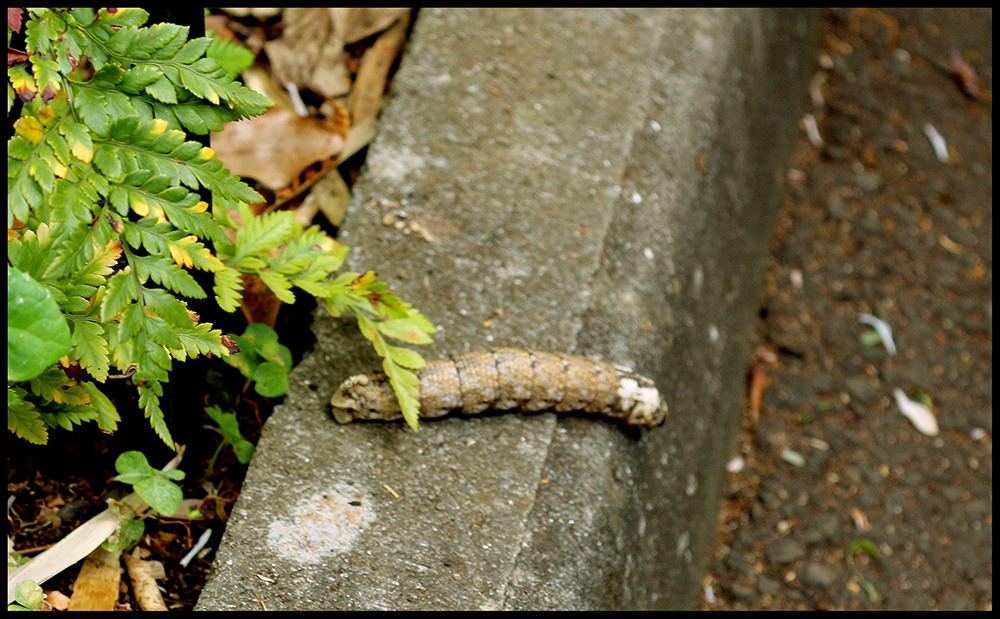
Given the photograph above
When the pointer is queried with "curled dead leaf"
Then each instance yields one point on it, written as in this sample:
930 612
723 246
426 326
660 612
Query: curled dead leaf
276 147
309 53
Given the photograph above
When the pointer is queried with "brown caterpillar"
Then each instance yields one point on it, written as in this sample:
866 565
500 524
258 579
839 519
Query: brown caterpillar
508 378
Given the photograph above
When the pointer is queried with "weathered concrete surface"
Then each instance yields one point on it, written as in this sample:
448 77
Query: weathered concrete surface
591 181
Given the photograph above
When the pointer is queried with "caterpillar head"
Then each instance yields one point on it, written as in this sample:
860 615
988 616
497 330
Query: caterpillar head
364 397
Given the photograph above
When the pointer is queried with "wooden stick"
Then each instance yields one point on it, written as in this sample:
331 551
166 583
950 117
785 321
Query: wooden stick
80 542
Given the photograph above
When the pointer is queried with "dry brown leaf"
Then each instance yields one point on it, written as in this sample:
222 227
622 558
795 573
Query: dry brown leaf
66 552
354 24
57 600
330 195
360 135
276 147
309 53
49 515
256 77
258 303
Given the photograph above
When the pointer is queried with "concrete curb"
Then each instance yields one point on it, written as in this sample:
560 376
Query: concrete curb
591 181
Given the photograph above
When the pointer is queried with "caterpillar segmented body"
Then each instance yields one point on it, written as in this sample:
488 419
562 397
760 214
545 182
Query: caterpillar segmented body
509 378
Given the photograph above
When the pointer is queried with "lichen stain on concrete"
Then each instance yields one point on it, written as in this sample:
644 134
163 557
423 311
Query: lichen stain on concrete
324 524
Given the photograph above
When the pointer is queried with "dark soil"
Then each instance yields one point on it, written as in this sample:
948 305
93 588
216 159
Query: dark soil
57 487
874 222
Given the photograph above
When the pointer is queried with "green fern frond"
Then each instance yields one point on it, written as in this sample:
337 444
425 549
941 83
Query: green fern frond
201 339
228 286
149 401
80 245
70 417
231 56
23 418
161 238
121 291
104 185
72 202
55 386
167 274
107 416
90 348
404 382
258 236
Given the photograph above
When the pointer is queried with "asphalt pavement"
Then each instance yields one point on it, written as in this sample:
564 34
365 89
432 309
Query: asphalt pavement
842 503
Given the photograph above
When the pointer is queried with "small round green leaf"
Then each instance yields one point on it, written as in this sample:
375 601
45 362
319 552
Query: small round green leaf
271 379
162 495
134 462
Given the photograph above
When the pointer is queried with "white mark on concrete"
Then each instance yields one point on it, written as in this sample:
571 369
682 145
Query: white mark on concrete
323 524
395 164
440 78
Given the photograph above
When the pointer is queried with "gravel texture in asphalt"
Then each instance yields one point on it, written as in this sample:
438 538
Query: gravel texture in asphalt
841 502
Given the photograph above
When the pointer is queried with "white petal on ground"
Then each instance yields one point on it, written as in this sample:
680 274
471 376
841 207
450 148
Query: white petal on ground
937 142
919 415
883 328
793 457
812 130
